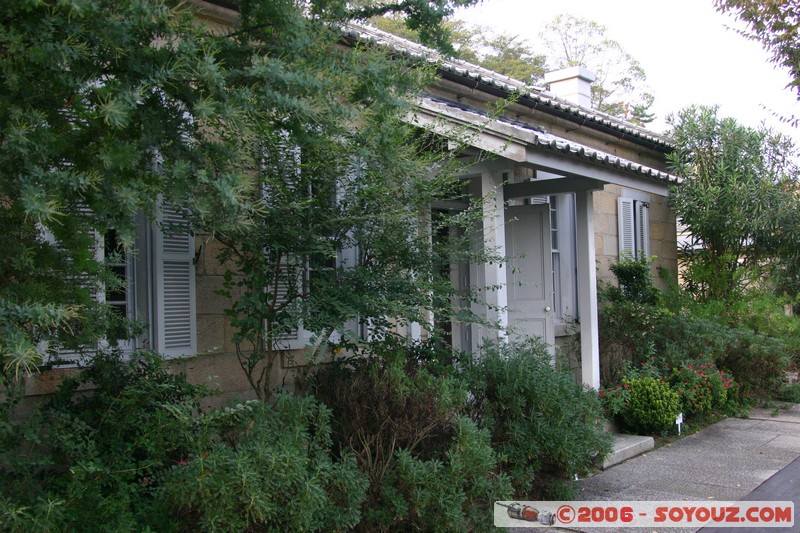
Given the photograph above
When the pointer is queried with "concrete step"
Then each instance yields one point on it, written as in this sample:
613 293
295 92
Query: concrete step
627 446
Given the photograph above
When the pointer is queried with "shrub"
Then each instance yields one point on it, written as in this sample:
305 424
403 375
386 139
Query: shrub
629 319
635 281
273 470
87 458
758 363
653 406
398 409
615 399
544 426
700 386
124 446
790 393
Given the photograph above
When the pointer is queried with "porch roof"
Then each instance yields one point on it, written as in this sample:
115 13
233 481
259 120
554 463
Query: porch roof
533 146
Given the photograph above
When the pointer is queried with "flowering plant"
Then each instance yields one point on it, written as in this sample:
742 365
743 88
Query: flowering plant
701 386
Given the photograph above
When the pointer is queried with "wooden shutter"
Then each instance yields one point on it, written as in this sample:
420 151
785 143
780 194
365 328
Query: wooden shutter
175 321
627 234
642 229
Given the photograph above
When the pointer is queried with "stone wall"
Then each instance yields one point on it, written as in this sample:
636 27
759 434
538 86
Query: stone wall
663 240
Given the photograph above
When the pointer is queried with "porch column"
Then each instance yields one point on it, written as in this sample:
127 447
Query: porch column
587 289
494 238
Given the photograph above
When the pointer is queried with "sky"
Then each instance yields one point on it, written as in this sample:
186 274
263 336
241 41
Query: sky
690 53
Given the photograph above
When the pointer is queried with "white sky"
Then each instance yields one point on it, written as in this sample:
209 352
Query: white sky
689 51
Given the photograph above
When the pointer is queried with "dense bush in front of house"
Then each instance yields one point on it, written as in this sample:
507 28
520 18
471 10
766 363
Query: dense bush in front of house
652 405
715 355
401 411
441 439
260 466
90 460
543 424
751 338
136 453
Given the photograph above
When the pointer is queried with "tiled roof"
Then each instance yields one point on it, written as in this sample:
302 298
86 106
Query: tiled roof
539 96
541 139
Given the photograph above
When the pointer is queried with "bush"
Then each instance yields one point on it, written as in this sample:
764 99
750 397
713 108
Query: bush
87 459
635 281
544 426
629 319
399 410
790 393
701 386
653 406
125 447
273 470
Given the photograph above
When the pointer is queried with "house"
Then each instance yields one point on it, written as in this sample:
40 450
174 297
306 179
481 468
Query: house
568 190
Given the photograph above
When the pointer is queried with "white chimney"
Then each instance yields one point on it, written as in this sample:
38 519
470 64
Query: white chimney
572 84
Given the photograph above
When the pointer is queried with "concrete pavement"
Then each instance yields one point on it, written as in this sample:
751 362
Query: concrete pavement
726 461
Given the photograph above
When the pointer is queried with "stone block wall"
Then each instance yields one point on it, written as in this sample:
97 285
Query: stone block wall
663 240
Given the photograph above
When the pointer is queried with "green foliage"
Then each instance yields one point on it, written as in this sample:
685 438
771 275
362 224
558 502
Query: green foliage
635 280
750 337
615 399
271 470
790 392
89 460
398 409
629 319
124 446
451 493
544 426
738 202
701 386
775 24
108 109
653 406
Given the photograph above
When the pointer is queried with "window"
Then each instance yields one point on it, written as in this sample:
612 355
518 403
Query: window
156 285
634 227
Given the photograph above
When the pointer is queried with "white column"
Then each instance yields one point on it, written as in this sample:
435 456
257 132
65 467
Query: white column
494 240
587 289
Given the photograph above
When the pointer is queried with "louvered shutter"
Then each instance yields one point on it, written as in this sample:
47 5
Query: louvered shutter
175 322
627 234
642 229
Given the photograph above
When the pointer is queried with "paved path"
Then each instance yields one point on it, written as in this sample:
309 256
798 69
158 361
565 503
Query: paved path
726 461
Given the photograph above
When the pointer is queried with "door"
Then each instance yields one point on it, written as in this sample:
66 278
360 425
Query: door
530 272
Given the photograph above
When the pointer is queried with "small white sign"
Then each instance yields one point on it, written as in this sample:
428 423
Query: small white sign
679 421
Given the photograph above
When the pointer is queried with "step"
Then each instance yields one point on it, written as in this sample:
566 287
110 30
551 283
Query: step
627 446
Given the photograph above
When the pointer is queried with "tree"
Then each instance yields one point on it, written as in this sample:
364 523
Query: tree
775 23
109 109
506 54
738 202
620 85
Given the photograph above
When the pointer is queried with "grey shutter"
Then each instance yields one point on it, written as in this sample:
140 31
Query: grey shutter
627 234
642 229
175 293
